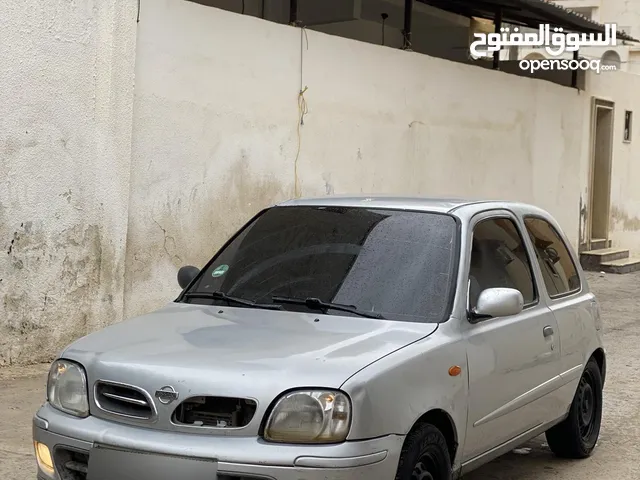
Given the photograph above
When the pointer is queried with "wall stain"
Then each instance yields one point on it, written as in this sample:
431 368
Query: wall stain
629 223
328 187
14 146
42 314
67 195
168 238
582 225
187 228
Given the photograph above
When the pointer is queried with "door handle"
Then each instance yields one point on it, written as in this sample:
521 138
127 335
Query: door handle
547 331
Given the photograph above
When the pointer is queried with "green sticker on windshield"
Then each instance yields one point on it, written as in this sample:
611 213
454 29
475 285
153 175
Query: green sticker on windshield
219 271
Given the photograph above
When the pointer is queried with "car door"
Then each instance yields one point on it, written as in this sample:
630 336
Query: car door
573 307
513 361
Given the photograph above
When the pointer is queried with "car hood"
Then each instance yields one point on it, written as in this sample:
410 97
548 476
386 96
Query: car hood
241 352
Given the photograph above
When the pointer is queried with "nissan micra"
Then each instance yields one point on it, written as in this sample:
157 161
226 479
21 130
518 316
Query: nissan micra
341 338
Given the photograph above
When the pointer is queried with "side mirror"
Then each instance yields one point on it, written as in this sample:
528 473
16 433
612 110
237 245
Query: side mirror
497 302
186 275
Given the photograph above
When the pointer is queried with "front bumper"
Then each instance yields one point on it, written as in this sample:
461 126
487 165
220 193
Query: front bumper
239 458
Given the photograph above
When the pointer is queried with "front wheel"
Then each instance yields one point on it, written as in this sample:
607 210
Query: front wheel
425 456
577 435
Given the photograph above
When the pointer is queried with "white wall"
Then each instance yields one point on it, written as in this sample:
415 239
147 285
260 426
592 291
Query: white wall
215 133
622 12
624 90
91 175
65 137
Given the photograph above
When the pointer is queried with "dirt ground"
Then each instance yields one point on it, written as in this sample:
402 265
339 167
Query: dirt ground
617 456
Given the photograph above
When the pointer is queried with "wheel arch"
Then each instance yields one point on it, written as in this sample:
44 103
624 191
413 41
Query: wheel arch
443 422
600 357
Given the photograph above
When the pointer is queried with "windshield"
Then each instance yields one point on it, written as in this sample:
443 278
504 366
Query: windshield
395 263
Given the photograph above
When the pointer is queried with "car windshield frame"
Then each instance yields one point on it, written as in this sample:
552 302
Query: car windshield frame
455 257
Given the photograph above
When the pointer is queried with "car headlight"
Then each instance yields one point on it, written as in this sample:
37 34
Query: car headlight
310 416
67 388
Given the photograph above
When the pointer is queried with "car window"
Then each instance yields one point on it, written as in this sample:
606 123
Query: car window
499 259
558 270
399 264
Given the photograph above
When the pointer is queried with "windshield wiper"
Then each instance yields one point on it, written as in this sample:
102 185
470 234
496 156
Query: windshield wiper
217 295
317 304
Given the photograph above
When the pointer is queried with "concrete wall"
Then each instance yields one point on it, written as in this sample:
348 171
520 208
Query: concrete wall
624 90
624 13
216 135
93 175
65 141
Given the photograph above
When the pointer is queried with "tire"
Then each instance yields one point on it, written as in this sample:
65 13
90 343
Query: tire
425 456
577 435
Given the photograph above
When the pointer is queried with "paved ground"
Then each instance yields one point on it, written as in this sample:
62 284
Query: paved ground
617 456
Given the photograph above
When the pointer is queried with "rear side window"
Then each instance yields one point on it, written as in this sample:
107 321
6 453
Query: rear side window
499 259
558 270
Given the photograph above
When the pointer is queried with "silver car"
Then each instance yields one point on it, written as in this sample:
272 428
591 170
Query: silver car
341 338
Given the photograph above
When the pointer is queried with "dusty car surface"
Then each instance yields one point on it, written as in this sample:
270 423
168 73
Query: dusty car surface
342 338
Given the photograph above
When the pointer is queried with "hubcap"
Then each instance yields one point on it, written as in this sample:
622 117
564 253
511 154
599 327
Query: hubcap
424 469
586 408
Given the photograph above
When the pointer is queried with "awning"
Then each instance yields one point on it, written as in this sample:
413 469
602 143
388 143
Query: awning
526 13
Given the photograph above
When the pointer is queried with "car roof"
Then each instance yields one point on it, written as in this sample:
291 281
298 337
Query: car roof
424 204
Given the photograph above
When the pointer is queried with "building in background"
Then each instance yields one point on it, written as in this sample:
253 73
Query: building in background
625 14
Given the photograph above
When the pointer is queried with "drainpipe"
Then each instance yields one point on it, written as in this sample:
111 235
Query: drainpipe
498 26
293 12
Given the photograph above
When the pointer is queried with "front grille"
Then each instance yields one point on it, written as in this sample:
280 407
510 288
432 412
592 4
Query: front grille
124 400
217 412
72 464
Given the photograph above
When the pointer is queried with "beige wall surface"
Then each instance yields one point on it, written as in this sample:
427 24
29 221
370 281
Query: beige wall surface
216 135
624 90
105 191
65 150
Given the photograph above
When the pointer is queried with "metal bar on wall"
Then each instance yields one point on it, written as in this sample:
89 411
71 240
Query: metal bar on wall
498 26
574 73
406 32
